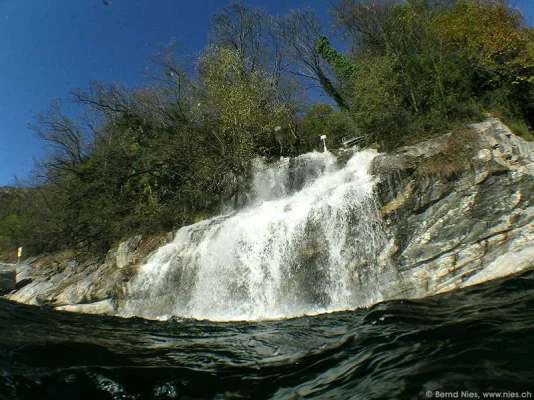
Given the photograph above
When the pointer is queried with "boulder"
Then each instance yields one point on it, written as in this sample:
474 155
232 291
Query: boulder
104 307
126 252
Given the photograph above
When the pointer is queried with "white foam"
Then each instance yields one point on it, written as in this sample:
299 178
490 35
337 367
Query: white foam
307 244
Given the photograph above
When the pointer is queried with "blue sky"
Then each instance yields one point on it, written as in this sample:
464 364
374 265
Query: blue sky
50 47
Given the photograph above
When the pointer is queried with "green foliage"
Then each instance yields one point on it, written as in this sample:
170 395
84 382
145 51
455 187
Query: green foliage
490 35
25 220
423 66
344 66
378 107
173 151
241 109
455 156
155 163
322 119
11 220
238 112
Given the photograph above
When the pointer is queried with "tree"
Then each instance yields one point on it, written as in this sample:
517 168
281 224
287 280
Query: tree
491 37
378 98
242 29
321 119
237 113
345 67
401 32
171 82
66 144
298 31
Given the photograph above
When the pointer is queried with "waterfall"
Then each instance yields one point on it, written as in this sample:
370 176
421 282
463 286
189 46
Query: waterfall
309 242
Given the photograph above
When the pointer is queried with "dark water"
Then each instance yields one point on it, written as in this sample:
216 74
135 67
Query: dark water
475 340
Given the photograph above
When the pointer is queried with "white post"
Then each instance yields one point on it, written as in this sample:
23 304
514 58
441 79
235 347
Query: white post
323 138
19 254
278 138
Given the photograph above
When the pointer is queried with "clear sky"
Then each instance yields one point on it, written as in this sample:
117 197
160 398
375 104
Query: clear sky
50 47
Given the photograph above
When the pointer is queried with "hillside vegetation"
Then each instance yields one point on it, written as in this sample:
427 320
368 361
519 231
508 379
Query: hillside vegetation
172 151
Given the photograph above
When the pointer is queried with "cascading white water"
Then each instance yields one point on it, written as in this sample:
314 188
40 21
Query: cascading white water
308 243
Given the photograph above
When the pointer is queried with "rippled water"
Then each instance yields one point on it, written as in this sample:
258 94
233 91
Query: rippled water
477 339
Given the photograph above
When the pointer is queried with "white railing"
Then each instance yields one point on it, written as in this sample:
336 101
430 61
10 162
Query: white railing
351 141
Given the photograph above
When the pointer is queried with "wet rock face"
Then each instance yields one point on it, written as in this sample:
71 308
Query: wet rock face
452 231
457 211
61 280
126 252
66 283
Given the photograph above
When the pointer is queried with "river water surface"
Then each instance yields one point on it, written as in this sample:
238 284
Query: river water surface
476 340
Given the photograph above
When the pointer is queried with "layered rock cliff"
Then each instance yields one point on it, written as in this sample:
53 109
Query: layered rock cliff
458 210
71 282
